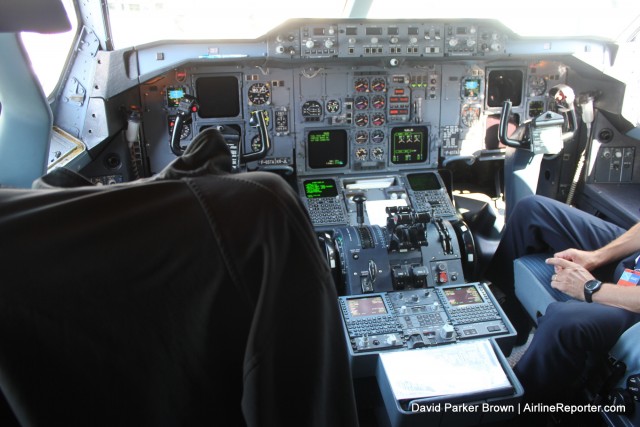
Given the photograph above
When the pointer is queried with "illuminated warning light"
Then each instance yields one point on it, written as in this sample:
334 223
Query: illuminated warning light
181 75
398 91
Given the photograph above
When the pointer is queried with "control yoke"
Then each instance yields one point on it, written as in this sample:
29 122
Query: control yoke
546 133
542 135
258 120
189 104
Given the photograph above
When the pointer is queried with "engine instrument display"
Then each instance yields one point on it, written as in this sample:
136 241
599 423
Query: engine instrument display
409 145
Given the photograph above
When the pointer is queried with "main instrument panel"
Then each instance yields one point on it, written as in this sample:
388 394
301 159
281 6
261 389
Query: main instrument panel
351 97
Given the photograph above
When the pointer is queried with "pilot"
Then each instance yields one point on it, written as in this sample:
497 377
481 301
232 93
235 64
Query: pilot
589 256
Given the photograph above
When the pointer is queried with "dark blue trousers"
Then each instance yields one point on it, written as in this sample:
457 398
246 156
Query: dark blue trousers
538 224
568 330
566 334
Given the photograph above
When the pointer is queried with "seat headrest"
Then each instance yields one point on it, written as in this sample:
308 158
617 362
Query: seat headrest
39 16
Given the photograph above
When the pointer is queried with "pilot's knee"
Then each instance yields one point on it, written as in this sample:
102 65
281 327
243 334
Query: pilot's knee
563 320
529 204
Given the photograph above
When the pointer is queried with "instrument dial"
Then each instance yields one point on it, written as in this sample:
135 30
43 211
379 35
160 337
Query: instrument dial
361 154
311 109
377 136
259 94
378 102
333 106
362 103
361 85
537 85
361 137
378 119
377 153
470 115
378 84
362 120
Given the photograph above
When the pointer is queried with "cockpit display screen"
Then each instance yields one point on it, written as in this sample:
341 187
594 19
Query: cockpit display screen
367 306
218 96
174 95
409 145
463 296
316 188
423 181
327 148
471 88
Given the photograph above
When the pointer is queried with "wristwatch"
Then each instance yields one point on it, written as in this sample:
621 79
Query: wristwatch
590 288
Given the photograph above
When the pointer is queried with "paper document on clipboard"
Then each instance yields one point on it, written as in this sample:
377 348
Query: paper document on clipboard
456 369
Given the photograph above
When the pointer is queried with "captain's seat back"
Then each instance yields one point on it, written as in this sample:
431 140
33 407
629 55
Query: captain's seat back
190 298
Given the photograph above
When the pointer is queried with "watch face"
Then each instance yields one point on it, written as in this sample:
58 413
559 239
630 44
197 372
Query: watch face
592 285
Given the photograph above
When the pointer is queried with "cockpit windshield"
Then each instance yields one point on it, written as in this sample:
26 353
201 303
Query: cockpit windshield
249 19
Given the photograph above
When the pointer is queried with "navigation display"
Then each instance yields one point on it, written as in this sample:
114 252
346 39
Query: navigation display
316 188
409 145
218 96
463 296
327 148
367 306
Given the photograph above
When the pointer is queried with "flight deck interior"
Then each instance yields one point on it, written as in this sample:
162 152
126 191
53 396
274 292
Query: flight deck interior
408 142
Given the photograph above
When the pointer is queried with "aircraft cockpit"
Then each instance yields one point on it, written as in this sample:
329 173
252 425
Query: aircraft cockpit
406 142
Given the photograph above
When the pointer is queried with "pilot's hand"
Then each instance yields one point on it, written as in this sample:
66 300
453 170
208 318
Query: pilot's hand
569 277
587 259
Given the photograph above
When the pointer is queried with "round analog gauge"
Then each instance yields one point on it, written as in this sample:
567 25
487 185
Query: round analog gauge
361 85
377 136
470 115
361 137
362 120
361 154
259 94
378 119
378 102
377 153
378 84
362 103
537 85
311 109
333 106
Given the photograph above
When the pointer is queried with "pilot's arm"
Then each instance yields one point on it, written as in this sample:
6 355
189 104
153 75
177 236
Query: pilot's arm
572 268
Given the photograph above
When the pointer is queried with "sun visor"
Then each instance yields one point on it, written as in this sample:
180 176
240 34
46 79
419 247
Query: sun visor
39 16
